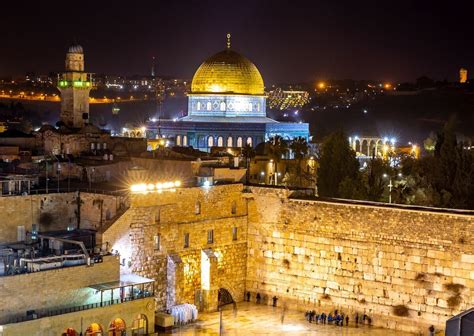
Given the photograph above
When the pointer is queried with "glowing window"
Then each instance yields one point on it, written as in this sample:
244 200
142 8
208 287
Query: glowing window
210 141
210 236
220 142
250 107
258 107
239 142
197 208
229 142
157 242
234 233
222 106
178 140
185 140
198 106
186 240
249 141
209 106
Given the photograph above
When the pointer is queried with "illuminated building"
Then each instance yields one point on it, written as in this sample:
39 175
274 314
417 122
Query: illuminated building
462 75
75 85
226 108
287 99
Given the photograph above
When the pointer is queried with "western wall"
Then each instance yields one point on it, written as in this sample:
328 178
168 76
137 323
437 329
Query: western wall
406 268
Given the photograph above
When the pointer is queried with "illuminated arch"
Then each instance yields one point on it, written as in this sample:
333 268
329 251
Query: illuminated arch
117 327
249 141
178 140
70 332
220 142
140 325
239 142
222 106
210 141
94 329
229 142
185 140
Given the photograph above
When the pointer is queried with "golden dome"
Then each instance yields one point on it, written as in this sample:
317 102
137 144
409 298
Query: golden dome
228 72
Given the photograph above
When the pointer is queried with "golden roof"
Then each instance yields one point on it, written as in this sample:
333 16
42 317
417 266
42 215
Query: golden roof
228 72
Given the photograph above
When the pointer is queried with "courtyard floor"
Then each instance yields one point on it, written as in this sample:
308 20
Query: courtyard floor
253 319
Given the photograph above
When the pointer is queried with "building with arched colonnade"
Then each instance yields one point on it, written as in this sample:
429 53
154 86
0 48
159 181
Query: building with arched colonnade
371 146
226 108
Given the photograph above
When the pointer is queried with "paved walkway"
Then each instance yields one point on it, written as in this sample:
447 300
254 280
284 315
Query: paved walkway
252 319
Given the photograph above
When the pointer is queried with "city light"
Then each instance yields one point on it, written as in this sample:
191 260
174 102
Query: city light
152 187
321 85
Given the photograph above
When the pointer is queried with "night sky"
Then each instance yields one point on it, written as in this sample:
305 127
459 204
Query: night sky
288 40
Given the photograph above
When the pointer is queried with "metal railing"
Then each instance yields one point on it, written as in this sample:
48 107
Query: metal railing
54 312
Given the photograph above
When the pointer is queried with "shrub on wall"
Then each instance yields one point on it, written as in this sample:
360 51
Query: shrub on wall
400 310
455 299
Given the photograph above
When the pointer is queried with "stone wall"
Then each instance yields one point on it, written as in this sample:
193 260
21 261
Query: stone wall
361 258
79 321
171 215
57 288
56 211
406 268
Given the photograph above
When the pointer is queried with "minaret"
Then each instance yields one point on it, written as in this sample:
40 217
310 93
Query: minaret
153 67
75 86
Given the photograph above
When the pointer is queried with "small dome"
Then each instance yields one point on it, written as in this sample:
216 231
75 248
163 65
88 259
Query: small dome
228 72
76 49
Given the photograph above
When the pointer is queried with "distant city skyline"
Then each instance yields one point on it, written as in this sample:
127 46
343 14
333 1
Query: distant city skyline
290 41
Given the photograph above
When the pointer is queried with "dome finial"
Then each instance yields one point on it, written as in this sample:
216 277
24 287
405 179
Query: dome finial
228 40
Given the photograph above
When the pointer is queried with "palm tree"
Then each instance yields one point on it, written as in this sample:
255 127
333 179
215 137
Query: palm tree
299 147
249 153
277 148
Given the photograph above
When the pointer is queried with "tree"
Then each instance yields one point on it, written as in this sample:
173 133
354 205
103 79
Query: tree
338 163
299 147
374 178
277 148
249 153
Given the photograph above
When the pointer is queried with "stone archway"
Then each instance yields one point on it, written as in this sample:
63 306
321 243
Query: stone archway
224 297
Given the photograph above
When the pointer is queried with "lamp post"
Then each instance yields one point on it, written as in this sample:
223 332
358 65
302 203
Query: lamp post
390 186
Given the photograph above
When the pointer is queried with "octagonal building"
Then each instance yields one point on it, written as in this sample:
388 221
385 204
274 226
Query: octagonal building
226 108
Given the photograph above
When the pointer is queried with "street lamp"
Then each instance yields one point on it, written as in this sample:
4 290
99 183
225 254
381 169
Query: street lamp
390 185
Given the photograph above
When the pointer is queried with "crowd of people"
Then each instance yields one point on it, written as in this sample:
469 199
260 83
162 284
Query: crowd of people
337 318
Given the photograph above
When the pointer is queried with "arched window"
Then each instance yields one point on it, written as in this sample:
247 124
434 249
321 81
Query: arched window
239 142
220 142
185 140
249 141
233 209
250 107
222 106
198 106
229 142
197 208
210 141
117 327
94 329
178 140
209 106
